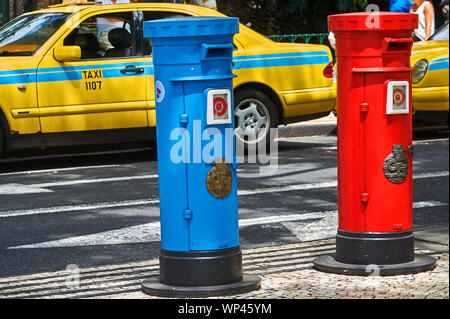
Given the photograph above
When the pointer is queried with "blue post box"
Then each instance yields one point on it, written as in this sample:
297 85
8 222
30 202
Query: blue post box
200 253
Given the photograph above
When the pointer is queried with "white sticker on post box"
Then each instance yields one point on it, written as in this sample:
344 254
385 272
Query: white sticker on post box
219 108
397 97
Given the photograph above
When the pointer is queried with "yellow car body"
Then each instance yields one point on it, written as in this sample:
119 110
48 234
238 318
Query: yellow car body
43 100
430 89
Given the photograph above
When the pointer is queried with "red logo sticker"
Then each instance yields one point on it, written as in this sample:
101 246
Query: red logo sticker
398 97
220 106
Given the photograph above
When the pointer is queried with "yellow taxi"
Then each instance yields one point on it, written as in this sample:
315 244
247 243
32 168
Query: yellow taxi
430 77
83 74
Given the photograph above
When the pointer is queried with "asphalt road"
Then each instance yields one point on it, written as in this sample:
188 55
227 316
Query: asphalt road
100 206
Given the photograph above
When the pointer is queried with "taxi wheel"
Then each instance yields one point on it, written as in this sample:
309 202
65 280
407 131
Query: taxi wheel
2 141
254 114
3 134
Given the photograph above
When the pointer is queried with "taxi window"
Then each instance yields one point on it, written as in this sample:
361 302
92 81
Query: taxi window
104 36
155 15
441 34
25 34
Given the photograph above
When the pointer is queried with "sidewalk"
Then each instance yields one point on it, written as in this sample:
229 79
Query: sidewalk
286 272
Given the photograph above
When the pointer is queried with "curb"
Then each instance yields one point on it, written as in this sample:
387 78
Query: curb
327 126
324 126
435 238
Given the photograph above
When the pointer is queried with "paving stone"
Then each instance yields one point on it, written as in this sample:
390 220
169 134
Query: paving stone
286 272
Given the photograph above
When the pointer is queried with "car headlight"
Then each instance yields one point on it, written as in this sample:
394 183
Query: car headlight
420 69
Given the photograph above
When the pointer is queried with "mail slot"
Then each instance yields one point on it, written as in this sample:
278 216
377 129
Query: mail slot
375 154
200 252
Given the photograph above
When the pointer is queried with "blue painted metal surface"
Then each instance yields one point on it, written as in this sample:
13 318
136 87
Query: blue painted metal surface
192 56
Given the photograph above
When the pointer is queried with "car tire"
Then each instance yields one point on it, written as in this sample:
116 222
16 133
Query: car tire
3 135
2 141
254 114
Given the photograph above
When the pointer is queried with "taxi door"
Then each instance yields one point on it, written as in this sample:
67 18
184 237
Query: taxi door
106 88
149 14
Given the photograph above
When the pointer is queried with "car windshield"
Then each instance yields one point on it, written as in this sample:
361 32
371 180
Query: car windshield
24 35
441 34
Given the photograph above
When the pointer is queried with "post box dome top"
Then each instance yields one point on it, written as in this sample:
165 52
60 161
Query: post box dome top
367 21
191 26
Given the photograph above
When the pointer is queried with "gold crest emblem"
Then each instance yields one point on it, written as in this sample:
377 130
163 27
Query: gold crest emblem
219 179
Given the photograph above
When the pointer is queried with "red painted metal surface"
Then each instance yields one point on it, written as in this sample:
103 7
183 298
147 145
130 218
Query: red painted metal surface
372 49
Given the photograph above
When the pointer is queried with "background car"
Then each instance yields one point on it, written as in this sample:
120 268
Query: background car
83 74
430 95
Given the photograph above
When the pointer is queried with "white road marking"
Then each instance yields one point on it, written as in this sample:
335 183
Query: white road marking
288 188
321 229
151 232
14 189
96 180
430 174
57 170
134 234
324 228
17 189
71 208
139 202
426 204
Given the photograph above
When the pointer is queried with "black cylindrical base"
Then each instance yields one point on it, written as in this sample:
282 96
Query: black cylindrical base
155 288
383 254
201 274
200 268
386 248
329 264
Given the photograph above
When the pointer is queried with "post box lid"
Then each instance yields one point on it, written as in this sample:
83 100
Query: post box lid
372 21
191 27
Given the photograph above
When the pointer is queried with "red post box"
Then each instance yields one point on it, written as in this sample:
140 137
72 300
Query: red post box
374 145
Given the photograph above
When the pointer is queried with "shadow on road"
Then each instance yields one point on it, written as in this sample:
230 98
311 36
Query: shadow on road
63 157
